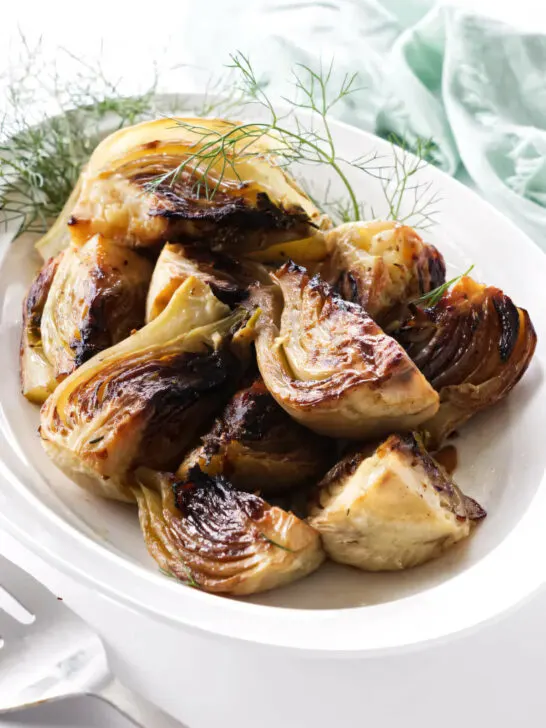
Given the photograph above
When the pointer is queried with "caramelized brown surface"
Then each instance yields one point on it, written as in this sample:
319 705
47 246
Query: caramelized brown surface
229 277
257 445
133 367
35 370
144 400
97 298
150 408
448 458
204 532
330 366
35 300
473 347
149 183
381 266
238 205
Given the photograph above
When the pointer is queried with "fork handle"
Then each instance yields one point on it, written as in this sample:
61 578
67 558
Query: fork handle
139 711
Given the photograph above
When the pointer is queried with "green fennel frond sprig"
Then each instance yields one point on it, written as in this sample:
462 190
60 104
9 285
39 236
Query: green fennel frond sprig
276 543
190 581
433 297
407 201
289 138
340 208
410 201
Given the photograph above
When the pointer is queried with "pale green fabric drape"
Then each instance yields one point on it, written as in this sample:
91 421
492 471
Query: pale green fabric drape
473 85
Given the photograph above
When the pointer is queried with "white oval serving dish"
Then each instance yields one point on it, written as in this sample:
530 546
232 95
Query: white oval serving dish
338 612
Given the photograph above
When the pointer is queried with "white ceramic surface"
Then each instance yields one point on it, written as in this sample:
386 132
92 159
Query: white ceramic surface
337 612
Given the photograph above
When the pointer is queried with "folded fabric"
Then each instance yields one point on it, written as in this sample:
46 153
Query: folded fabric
471 84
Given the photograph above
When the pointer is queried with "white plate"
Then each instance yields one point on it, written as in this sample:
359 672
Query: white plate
501 455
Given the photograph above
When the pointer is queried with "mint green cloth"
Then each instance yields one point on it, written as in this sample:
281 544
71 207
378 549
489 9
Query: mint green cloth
476 87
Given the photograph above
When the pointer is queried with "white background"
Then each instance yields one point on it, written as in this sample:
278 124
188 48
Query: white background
135 26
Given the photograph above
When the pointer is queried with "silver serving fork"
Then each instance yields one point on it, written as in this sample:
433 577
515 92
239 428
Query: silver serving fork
48 653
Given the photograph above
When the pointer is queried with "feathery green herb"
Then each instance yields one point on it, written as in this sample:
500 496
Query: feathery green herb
409 202
274 543
289 138
398 187
433 297
190 581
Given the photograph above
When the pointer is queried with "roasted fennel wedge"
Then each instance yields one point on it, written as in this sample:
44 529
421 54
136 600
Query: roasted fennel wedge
392 508
206 533
98 296
330 366
228 277
37 378
381 265
257 445
473 346
151 182
142 401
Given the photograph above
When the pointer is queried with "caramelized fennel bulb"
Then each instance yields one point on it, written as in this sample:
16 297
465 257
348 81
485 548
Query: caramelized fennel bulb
381 265
37 379
141 401
392 508
330 366
473 347
206 533
257 445
97 298
131 190
229 278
